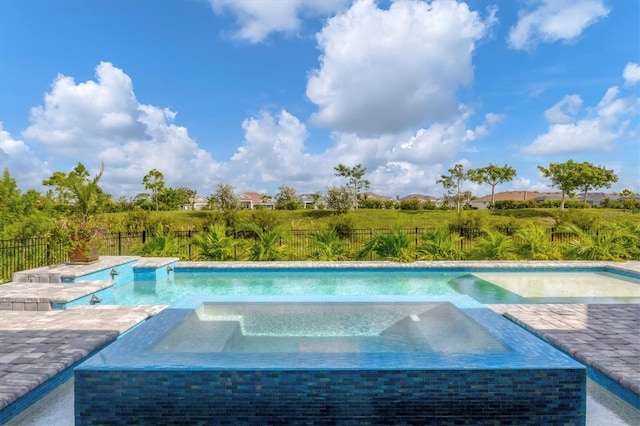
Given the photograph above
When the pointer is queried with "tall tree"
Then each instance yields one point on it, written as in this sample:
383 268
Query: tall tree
154 180
570 176
594 177
452 184
173 198
339 199
354 176
286 198
85 193
492 175
564 176
21 215
58 182
225 198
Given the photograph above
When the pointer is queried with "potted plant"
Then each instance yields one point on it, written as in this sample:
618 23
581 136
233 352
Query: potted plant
80 229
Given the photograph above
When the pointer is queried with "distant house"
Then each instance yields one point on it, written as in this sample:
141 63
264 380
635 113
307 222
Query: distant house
422 198
372 196
252 200
195 203
594 199
544 196
307 202
484 202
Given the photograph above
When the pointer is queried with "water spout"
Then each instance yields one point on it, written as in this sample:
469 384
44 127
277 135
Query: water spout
169 268
113 273
94 300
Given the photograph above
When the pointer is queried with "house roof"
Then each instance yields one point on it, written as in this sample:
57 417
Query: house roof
254 197
372 196
251 196
508 196
418 197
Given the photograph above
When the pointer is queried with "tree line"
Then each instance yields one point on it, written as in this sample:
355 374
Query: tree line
31 213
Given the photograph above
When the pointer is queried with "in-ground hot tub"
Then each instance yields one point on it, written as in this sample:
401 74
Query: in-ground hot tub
326 360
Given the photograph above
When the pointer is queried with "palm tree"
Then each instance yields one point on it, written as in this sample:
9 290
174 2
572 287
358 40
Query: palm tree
329 246
266 245
215 244
392 246
532 242
632 239
603 242
493 245
440 244
160 244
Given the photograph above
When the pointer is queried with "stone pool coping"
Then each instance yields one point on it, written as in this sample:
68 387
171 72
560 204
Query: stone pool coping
35 347
102 319
604 337
631 267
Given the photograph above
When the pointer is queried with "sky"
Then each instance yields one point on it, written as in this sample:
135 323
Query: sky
263 93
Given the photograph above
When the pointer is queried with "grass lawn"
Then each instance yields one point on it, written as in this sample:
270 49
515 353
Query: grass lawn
376 219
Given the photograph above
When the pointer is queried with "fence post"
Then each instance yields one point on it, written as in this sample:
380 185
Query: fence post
371 236
144 236
235 246
189 248
119 243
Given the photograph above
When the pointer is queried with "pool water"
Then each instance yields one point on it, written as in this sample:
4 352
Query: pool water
486 287
329 328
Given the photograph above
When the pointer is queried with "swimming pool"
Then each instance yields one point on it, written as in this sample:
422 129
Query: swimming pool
486 286
329 360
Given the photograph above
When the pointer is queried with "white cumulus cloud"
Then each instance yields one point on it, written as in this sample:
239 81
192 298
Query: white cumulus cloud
631 73
272 151
102 121
384 71
565 110
592 129
555 20
24 166
257 19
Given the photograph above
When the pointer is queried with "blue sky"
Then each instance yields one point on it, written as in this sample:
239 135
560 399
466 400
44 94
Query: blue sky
259 94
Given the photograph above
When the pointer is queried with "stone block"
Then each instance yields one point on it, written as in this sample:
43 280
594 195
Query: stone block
44 306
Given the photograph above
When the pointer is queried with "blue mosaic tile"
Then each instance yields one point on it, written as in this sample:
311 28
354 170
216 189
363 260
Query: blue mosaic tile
528 383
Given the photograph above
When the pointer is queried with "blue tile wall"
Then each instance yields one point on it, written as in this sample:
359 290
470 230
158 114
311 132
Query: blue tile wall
495 397
530 383
153 273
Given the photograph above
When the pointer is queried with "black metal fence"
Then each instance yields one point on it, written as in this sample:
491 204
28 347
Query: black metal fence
28 253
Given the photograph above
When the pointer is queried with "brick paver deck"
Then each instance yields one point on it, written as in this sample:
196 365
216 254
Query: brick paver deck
604 337
37 345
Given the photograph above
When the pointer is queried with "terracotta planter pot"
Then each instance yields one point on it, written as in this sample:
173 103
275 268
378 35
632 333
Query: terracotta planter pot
85 248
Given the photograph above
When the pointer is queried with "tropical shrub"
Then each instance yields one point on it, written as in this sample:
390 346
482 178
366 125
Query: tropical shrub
604 242
214 244
493 245
583 219
161 243
533 243
394 245
265 245
343 225
410 204
264 219
439 244
329 246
